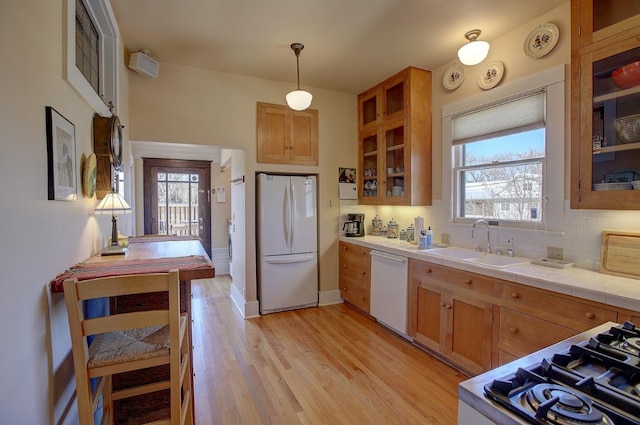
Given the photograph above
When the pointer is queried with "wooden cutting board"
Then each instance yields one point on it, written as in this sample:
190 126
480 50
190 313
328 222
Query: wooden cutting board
620 253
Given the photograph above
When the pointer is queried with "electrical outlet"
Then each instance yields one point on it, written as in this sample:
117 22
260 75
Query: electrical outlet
555 253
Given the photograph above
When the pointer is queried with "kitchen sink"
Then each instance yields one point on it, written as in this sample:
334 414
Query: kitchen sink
454 252
475 257
497 261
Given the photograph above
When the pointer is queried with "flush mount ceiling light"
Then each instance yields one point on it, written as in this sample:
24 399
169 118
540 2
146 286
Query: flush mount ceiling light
298 100
475 51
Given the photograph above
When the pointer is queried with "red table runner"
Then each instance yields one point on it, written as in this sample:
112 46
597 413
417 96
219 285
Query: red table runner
84 271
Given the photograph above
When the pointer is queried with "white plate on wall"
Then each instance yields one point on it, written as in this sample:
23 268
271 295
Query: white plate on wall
490 75
453 77
541 40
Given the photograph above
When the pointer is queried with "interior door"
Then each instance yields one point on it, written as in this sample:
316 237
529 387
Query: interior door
177 198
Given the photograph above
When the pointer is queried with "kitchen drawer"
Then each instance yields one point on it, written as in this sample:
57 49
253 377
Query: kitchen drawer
355 254
452 278
355 294
521 334
578 315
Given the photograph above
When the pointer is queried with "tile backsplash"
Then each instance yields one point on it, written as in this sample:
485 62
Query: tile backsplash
580 240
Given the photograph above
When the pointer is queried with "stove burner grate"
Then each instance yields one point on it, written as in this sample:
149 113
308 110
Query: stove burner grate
561 405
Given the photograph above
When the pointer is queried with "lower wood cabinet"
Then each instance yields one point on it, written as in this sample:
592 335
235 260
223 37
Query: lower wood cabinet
455 323
476 322
355 275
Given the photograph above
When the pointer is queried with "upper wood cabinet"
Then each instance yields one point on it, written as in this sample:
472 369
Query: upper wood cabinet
286 136
605 110
394 140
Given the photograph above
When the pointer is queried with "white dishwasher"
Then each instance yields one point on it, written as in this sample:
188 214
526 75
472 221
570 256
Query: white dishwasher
390 290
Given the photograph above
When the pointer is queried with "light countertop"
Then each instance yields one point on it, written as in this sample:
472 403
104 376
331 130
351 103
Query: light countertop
587 284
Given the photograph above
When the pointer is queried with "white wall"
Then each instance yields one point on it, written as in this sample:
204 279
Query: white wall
40 238
196 106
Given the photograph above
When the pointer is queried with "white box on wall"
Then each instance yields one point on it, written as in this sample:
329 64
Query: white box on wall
347 191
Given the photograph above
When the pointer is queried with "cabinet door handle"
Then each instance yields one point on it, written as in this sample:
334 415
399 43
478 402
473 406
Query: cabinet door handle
448 306
515 295
443 305
590 316
363 273
345 289
468 281
513 329
428 270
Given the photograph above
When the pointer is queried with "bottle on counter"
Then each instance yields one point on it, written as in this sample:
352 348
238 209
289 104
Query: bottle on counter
422 241
403 235
429 235
383 231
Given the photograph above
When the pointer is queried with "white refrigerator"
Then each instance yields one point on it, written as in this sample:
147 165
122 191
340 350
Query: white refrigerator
287 226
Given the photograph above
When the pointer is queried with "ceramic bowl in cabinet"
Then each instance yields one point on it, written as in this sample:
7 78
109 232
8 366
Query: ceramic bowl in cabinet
627 76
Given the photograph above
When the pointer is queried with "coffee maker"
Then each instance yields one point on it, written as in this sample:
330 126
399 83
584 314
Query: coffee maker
354 226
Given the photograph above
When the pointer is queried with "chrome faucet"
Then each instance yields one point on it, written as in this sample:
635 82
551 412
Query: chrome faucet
488 249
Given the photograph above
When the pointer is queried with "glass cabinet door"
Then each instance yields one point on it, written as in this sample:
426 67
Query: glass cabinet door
612 163
394 160
369 166
601 19
394 95
368 113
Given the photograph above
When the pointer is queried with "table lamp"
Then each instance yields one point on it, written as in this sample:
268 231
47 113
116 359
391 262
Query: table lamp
113 204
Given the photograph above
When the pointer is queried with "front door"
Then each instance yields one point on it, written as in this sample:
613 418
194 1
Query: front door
177 198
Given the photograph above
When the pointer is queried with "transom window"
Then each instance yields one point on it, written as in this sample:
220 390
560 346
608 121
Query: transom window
91 53
87 46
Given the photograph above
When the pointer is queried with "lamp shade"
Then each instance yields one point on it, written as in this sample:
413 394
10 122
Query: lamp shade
113 204
473 52
299 100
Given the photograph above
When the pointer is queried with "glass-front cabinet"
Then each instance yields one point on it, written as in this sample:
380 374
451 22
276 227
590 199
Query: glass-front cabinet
394 122
606 107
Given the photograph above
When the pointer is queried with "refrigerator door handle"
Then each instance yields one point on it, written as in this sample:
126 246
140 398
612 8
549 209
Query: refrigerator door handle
293 212
287 219
290 259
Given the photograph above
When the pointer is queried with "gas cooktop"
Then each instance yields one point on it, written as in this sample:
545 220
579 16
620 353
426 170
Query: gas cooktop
596 381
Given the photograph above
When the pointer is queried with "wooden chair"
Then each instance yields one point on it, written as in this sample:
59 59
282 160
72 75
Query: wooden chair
129 341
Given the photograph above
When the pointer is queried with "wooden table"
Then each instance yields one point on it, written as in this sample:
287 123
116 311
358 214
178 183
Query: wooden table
156 252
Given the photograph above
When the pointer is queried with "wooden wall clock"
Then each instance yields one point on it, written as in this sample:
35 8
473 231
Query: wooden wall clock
107 145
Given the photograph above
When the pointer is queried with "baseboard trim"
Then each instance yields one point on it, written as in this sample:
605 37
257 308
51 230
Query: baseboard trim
248 310
329 297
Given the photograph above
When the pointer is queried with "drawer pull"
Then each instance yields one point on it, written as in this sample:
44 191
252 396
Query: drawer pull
513 329
515 295
468 281
590 316
363 273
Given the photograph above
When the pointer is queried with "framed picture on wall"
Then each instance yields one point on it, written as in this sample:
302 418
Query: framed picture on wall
61 157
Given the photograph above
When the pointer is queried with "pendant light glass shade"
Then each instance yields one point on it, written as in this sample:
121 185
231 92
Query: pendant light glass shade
298 100
475 51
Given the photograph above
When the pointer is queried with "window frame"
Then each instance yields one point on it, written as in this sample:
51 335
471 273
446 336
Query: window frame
553 198
104 20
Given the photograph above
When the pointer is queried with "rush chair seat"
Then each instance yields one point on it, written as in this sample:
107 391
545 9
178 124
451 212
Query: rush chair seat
129 341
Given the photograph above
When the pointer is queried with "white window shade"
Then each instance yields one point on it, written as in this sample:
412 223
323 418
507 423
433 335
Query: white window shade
507 117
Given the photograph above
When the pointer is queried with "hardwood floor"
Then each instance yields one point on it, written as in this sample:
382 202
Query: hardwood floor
326 365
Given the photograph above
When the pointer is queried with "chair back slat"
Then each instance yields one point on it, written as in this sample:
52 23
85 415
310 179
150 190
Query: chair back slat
125 321
122 285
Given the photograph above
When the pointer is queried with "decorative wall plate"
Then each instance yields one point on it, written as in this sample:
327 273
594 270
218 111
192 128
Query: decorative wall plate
453 77
490 75
89 176
541 40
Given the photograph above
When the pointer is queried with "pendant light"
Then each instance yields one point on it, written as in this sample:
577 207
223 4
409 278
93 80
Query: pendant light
475 51
298 100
